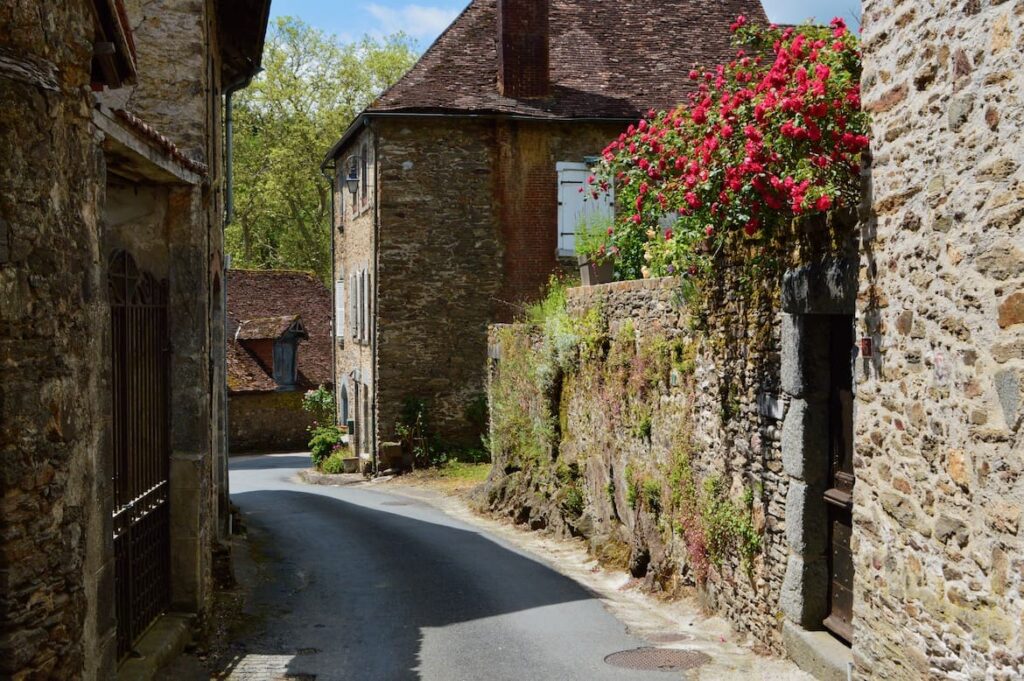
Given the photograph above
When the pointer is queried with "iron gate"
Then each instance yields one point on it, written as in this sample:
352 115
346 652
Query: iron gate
140 429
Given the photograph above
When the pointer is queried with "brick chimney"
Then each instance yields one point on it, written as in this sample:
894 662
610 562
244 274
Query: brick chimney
523 48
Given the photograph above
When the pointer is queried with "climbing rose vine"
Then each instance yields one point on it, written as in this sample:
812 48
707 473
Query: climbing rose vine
776 133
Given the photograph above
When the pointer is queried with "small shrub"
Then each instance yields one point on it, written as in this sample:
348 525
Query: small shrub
319 404
573 501
652 496
324 441
333 464
416 433
632 486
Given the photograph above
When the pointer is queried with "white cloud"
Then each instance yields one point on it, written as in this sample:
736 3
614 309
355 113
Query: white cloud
418 21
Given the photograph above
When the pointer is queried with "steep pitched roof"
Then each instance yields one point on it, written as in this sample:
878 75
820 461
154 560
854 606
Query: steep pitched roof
268 299
609 59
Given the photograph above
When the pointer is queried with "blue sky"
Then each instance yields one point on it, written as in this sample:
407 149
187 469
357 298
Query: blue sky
423 20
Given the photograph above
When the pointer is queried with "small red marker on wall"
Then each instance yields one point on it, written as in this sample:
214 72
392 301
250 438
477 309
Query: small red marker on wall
865 347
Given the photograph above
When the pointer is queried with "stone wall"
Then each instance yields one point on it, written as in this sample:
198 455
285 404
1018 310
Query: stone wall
526 197
619 445
940 447
440 264
53 328
268 422
468 223
355 238
64 207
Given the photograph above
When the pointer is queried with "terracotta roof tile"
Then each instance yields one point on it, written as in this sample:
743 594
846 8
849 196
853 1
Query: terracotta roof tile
609 58
276 294
160 141
265 327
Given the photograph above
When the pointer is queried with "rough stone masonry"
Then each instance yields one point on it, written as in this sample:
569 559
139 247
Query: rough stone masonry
939 451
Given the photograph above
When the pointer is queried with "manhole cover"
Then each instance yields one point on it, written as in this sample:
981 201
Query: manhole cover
658 659
669 638
396 503
308 651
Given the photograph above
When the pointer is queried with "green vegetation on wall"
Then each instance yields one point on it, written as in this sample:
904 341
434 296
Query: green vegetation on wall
557 357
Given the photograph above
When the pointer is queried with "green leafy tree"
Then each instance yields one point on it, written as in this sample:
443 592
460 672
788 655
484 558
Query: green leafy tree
312 87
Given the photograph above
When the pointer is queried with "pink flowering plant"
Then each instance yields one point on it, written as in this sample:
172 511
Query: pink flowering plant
775 134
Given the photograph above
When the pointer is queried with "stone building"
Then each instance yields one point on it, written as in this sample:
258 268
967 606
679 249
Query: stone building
939 589
884 429
111 320
457 192
278 346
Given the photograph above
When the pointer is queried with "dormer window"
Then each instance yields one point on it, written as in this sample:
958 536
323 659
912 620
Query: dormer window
274 341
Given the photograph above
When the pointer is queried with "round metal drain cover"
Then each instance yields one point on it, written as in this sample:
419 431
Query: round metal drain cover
669 638
658 659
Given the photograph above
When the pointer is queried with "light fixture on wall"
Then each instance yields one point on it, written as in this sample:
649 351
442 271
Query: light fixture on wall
352 178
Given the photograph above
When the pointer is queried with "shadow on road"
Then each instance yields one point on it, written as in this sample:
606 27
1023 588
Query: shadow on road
349 588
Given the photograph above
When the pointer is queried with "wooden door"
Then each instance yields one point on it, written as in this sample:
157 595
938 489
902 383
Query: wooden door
839 495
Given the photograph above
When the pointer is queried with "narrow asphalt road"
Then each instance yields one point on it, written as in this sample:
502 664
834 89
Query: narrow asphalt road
362 584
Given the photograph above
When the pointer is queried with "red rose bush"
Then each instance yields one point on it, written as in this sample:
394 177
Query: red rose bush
775 134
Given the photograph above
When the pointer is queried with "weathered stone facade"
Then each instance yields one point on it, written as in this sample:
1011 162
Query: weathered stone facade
268 422
940 447
355 273
52 333
83 181
714 409
444 256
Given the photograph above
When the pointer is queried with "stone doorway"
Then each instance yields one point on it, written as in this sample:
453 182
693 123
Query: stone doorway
818 305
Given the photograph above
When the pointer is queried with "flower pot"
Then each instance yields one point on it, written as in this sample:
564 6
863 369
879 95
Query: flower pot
350 465
592 273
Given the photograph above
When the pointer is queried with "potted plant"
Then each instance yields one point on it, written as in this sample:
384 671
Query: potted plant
595 252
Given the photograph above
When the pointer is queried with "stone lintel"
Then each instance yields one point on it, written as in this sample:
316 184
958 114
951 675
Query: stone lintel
828 287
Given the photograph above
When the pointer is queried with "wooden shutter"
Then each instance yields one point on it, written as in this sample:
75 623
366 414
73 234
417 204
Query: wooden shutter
353 306
339 306
574 205
364 300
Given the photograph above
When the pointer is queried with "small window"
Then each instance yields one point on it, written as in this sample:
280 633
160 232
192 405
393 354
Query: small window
353 306
366 419
577 205
366 307
362 305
